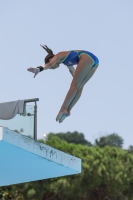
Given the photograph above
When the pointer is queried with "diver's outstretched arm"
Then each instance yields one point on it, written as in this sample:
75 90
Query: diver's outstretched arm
49 65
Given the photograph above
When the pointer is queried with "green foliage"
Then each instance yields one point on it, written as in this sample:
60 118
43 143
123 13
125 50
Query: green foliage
72 137
130 149
109 140
105 172
109 168
10 193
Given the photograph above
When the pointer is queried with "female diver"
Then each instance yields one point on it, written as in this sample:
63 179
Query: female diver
87 64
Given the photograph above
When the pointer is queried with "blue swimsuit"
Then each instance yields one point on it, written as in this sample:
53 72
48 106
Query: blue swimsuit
73 58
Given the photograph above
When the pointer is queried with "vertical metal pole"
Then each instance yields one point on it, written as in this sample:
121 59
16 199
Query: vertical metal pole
35 121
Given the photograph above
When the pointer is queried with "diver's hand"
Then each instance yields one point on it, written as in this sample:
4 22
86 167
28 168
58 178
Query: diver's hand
34 70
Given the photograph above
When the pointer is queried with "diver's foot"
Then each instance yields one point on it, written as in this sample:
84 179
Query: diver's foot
64 116
60 114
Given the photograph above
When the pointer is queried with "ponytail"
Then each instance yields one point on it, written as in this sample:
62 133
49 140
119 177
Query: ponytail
50 53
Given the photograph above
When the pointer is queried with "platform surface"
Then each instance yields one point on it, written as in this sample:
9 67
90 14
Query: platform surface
23 159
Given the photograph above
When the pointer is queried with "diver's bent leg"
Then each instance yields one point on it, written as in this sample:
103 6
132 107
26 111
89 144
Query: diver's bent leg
74 101
79 92
84 66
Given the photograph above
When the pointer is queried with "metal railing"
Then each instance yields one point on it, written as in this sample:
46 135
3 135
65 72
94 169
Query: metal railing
35 114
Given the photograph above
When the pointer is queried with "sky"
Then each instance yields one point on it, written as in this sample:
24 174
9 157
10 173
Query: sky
101 27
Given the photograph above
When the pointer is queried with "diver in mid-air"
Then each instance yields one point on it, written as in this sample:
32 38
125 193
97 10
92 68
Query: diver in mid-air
87 64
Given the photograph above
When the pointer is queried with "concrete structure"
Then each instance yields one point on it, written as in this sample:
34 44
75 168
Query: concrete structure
23 159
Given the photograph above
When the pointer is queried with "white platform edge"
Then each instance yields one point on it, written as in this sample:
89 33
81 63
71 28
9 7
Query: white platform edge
40 149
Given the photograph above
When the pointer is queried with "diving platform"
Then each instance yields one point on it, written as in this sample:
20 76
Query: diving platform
23 159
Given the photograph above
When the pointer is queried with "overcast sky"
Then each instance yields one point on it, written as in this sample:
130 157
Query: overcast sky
104 28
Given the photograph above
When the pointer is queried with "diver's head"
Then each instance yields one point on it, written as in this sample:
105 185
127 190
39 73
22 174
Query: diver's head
50 54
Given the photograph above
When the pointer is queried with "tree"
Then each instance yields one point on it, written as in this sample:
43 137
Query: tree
72 137
10 193
109 140
106 172
130 149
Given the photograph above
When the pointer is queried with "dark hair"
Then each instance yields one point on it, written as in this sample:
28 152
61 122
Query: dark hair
50 54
